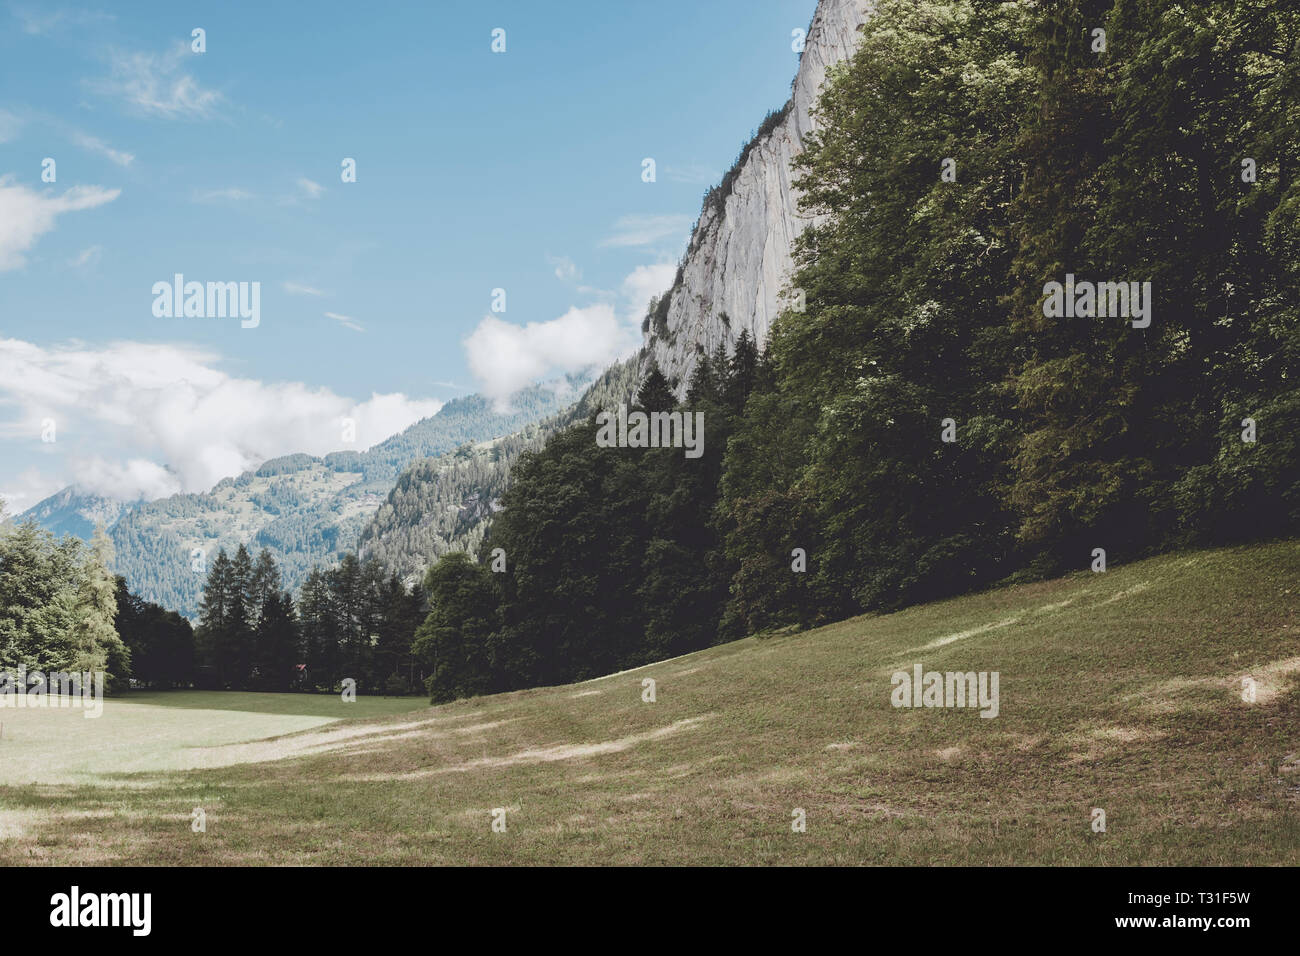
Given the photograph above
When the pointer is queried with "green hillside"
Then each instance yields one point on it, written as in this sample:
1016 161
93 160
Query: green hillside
445 504
304 510
1120 691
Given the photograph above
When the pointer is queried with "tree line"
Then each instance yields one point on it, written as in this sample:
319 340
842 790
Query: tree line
353 621
62 609
601 558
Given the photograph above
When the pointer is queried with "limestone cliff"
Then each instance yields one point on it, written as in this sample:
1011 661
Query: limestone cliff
739 257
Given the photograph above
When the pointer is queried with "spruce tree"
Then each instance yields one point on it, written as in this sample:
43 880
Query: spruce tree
742 371
238 639
264 584
319 626
216 612
96 644
655 394
277 644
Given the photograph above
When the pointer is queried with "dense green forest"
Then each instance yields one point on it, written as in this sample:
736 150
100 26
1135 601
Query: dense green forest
62 610
929 424
353 621
161 642
605 557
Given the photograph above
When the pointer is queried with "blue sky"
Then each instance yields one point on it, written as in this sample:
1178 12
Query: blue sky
475 170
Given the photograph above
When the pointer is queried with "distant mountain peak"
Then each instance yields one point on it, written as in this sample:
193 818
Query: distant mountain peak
73 511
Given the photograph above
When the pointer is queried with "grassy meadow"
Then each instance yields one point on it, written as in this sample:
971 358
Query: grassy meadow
1120 691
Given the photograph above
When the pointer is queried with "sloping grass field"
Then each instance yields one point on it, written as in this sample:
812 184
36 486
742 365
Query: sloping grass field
1165 693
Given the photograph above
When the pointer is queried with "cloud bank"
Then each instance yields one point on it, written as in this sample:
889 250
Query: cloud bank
140 420
505 357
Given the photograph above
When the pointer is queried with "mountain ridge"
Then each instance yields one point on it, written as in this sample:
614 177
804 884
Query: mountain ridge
443 504
304 509
71 510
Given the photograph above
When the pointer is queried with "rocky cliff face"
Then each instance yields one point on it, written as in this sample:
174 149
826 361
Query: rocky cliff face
739 258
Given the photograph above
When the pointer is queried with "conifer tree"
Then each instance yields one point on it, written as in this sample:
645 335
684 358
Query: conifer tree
96 644
216 614
655 394
276 643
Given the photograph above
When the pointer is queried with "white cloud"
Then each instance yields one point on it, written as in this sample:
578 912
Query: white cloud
87 257
346 321
307 190
646 282
26 490
565 269
297 288
648 230
36 23
505 358
124 480
97 145
10 126
156 419
230 194
155 84
26 215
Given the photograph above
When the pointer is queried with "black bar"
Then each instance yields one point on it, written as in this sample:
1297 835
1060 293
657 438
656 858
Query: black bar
950 906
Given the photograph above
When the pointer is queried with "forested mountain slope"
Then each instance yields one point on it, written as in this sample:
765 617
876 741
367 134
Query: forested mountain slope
445 504
305 510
